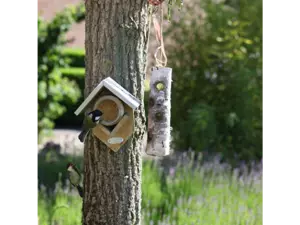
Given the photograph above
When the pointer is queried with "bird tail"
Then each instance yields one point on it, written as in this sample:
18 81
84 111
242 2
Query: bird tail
80 191
83 134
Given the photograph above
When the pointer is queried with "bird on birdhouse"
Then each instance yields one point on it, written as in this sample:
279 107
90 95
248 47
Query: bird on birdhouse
90 121
75 177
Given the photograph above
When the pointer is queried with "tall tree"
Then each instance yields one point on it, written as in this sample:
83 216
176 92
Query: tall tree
116 45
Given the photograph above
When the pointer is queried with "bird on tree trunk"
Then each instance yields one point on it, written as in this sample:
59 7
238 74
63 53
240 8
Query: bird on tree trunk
75 177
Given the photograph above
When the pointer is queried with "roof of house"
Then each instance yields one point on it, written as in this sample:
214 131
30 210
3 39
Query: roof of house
113 87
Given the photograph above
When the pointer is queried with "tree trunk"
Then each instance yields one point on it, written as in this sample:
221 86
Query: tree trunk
116 46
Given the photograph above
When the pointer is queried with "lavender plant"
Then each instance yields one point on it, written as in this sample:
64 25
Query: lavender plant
189 192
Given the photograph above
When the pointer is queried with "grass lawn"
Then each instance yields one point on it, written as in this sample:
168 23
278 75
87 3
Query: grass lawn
208 194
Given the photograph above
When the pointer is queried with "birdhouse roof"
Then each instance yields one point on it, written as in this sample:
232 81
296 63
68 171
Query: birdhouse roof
113 87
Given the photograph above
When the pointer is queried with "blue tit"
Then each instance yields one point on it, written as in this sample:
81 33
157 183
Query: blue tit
75 177
90 121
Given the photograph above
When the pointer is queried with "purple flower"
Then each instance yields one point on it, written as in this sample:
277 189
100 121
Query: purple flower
172 171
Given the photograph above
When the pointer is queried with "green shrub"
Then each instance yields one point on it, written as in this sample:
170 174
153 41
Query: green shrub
217 84
76 74
202 127
52 87
69 119
75 56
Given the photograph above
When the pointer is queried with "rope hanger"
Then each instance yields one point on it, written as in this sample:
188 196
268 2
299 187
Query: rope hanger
160 61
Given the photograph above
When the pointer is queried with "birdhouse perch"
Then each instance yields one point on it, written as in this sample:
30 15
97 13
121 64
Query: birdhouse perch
118 106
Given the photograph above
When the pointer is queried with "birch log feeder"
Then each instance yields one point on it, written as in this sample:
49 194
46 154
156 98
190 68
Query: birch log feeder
159 114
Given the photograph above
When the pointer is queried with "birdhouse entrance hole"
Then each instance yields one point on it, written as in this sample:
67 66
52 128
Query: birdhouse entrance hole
112 109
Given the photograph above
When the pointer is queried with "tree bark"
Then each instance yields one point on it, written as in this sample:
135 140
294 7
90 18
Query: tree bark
116 46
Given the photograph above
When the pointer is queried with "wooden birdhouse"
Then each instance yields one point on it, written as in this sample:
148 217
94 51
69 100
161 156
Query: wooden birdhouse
118 106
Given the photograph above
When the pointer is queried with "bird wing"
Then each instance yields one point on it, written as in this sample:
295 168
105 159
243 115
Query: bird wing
77 171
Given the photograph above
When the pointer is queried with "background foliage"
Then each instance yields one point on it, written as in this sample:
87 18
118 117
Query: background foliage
217 83
53 89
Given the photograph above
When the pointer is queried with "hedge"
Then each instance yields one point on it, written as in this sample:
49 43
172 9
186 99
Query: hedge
75 55
69 119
